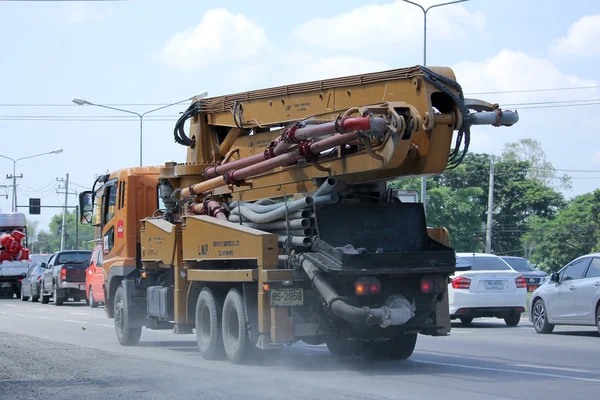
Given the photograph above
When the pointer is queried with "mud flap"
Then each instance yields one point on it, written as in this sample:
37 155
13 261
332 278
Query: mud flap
137 313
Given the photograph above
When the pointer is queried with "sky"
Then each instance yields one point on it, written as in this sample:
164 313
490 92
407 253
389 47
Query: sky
139 55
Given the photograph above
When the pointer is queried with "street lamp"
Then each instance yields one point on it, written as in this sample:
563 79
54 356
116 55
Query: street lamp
82 102
425 10
14 174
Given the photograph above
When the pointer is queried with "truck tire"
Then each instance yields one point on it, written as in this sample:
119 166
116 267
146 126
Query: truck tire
209 335
339 347
235 328
91 302
127 335
58 300
513 319
23 298
403 347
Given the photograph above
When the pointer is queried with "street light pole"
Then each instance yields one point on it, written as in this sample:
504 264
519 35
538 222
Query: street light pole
82 102
425 10
14 174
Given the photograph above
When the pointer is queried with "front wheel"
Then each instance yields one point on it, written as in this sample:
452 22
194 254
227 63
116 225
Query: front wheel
127 335
23 297
513 319
540 318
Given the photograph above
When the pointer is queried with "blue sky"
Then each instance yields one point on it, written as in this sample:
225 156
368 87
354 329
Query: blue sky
159 52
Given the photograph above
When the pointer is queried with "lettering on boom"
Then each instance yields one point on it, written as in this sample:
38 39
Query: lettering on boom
226 243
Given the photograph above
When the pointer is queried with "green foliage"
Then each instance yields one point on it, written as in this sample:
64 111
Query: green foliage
572 233
49 242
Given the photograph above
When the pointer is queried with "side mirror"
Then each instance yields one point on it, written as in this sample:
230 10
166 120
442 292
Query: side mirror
23 274
554 277
86 207
86 263
43 265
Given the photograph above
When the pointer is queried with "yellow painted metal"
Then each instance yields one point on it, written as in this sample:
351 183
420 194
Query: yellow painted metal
237 275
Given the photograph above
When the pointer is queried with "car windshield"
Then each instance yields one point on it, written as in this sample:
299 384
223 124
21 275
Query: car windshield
520 264
485 263
73 258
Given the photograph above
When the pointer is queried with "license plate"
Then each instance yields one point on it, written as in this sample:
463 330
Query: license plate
81 287
494 285
286 297
5 284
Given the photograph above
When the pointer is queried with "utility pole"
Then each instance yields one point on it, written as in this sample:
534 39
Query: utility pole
14 187
76 227
488 235
64 220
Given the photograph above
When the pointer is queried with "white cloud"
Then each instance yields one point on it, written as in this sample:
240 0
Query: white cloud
379 26
221 37
79 12
581 39
514 70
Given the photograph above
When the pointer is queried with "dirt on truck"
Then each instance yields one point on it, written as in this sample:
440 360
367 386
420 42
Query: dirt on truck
279 226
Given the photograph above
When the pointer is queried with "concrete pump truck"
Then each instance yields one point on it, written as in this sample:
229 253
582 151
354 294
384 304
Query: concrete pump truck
279 226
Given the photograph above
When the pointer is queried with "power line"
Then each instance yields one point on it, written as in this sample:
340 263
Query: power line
537 90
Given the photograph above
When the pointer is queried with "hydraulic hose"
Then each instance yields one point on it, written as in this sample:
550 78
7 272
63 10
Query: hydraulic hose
364 316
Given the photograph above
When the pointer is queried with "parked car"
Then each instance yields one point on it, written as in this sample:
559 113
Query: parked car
491 288
64 276
533 276
94 278
570 297
30 285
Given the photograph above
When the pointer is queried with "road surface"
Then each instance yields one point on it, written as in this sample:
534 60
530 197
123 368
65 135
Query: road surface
71 352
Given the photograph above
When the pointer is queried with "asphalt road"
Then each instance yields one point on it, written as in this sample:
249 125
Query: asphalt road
71 352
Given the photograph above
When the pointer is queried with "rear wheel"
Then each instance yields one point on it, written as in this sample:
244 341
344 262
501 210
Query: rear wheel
127 335
91 301
403 347
45 299
58 299
235 328
513 319
466 320
208 324
34 298
540 318
598 318
339 347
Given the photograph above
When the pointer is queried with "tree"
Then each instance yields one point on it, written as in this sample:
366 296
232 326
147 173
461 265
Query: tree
49 242
572 233
541 170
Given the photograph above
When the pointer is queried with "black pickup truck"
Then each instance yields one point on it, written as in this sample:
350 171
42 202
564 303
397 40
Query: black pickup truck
64 276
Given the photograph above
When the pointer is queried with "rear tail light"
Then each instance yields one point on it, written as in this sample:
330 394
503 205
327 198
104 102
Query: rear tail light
426 285
63 274
520 281
367 286
461 283
39 278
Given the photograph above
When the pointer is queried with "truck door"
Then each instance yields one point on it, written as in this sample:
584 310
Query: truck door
109 205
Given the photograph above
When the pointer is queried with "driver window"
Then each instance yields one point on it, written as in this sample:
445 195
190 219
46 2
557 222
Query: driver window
111 196
99 259
576 269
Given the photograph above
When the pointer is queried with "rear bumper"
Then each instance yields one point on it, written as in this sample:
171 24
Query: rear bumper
486 303
482 312
72 286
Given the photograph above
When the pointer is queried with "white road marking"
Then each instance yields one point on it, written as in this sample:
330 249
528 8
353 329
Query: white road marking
80 313
557 368
510 371
453 331
10 305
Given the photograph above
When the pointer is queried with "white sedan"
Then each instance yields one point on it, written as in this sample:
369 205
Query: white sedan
570 297
490 289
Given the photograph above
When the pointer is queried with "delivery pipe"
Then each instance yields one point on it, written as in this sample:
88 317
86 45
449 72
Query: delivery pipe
235 217
300 241
279 225
325 199
277 213
267 165
284 142
506 118
364 316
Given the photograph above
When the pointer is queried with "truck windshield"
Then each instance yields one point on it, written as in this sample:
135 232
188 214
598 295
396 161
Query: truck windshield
484 263
520 264
73 258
